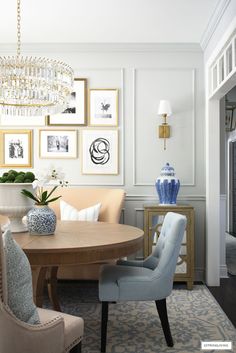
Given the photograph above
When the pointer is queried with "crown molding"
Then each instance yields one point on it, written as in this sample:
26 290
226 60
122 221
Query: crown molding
154 198
28 48
213 23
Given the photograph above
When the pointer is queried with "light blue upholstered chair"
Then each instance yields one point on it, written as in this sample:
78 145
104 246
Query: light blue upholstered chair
151 279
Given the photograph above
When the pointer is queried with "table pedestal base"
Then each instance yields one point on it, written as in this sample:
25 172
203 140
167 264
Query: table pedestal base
41 276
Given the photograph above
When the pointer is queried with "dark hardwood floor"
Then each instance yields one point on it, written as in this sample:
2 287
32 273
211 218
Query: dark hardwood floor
225 295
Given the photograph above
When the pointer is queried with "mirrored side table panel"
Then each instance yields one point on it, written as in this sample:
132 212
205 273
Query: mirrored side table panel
153 218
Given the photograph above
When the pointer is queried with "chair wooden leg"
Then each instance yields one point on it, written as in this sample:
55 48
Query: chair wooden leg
77 348
104 326
162 311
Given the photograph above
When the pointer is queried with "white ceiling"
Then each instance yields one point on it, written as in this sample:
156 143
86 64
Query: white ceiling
107 21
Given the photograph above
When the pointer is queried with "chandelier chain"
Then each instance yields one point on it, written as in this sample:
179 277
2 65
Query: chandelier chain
33 86
18 28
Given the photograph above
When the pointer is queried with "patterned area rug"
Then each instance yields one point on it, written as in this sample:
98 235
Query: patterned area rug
231 254
134 327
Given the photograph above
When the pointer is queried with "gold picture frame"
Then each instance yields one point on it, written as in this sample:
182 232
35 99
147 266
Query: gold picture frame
99 151
77 107
16 148
58 144
103 107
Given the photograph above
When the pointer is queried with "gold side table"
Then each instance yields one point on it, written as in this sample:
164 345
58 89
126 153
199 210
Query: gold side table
153 219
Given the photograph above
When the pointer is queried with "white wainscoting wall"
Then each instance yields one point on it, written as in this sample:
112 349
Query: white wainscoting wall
144 74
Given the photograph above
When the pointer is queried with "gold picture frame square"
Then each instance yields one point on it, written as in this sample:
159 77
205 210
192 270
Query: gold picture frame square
100 151
103 107
76 112
58 144
16 148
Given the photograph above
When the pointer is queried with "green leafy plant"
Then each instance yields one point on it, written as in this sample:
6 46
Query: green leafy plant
41 197
12 176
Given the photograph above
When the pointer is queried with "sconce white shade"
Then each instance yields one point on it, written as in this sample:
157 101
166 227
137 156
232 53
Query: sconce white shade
164 108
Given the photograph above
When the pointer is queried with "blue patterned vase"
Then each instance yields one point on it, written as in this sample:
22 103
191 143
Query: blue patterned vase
41 220
167 186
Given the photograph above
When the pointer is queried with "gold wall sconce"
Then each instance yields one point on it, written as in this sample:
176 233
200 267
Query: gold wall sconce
164 129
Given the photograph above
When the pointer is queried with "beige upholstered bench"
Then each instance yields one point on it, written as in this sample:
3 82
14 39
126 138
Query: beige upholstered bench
111 205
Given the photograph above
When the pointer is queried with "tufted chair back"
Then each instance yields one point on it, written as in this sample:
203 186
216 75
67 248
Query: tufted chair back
165 254
168 246
151 279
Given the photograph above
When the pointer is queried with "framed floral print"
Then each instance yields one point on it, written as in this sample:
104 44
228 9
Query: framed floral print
103 107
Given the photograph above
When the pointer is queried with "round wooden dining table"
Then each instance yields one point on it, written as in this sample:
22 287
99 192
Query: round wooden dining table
75 242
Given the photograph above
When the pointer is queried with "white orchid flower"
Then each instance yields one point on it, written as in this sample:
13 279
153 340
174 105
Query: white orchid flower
52 176
41 197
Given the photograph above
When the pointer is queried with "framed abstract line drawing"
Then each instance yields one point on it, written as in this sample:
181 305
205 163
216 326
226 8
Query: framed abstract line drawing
57 143
75 113
103 107
99 151
16 148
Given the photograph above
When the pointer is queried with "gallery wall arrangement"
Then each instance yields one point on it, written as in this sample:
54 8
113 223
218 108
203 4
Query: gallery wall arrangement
98 147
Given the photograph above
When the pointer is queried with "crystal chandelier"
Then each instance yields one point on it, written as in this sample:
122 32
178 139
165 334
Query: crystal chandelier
33 86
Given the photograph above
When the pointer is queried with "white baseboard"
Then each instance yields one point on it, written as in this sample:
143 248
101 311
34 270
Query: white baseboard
200 273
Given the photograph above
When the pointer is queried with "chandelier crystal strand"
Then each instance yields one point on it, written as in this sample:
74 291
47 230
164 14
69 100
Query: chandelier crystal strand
33 86
18 28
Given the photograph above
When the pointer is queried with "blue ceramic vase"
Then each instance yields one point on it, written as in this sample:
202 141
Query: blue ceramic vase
41 220
167 186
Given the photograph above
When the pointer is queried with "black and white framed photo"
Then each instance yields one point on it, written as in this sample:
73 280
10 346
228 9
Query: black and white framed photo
58 144
75 113
99 151
17 148
103 107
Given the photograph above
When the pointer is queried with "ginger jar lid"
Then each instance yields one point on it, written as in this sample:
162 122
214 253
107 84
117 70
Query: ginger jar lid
167 170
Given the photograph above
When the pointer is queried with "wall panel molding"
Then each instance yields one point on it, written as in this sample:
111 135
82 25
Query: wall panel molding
193 116
102 47
153 198
137 222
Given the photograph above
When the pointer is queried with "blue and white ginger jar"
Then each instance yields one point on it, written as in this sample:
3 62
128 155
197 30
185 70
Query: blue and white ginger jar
41 220
167 186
